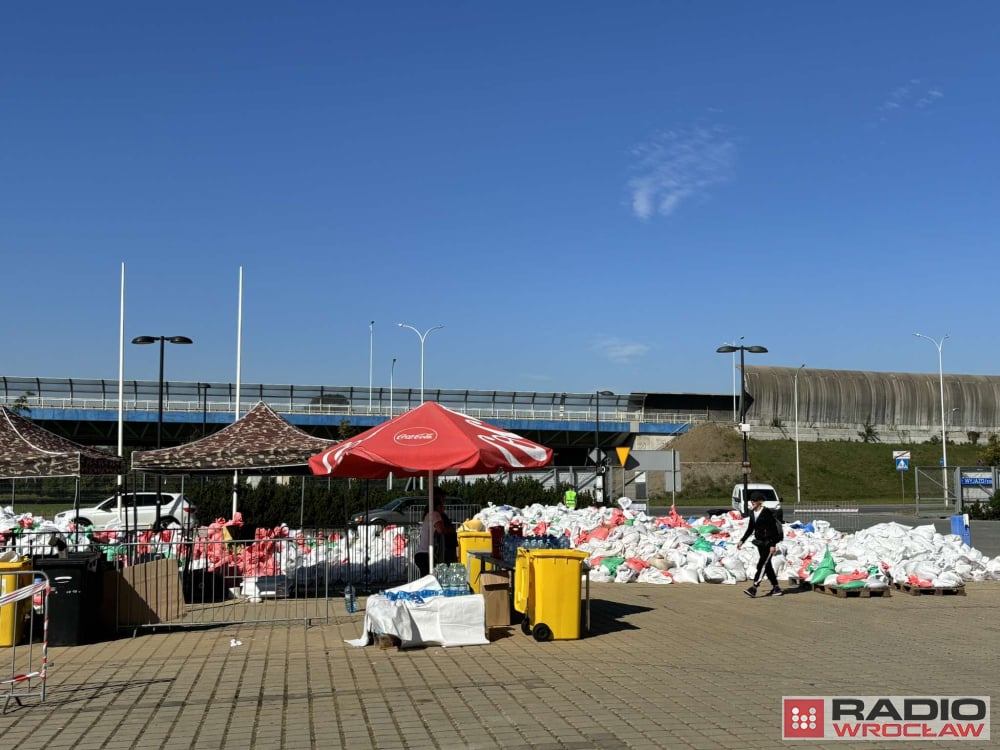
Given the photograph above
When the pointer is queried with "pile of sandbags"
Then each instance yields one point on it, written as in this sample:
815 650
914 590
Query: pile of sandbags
625 546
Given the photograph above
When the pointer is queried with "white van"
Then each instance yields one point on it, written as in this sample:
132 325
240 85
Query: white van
771 499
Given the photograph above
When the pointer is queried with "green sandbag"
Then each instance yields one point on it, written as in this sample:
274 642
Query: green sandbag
859 584
824 570
708 529
611 564
702 545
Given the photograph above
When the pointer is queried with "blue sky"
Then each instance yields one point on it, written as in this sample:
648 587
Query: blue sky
587 195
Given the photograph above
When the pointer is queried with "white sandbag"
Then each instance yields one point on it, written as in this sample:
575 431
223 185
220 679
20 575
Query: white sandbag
714 574
846 567
947 579
652 575
925 570
600 574
735 567
697 559
877 581
676 557
685 575
854 550
963 570
625 574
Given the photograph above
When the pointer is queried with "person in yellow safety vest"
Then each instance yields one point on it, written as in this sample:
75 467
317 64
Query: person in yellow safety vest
570 499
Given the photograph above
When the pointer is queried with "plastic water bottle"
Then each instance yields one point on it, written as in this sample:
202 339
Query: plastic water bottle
350 599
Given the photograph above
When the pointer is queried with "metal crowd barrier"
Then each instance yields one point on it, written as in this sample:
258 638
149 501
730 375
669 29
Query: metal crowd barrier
24 625
173 580
845 517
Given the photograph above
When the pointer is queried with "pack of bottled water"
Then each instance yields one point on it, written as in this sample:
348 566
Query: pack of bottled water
453 577
511 544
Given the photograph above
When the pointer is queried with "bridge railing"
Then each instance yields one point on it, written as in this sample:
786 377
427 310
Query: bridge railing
213 398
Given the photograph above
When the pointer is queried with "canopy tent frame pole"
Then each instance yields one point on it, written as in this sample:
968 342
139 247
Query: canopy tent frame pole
430 507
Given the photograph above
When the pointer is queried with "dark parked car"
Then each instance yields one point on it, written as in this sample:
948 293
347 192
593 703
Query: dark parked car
411 509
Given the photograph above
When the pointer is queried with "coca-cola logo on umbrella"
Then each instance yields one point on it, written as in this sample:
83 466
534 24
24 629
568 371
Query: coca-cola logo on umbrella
415 436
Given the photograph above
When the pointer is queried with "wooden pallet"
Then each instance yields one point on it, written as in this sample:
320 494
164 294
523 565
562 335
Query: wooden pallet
851 593
909 588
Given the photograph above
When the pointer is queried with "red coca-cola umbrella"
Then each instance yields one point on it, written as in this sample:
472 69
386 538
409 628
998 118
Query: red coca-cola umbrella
430 439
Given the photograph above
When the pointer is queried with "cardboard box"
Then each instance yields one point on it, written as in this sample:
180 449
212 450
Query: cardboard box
496 593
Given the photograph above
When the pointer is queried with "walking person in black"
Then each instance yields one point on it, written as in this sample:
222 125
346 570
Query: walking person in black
766 531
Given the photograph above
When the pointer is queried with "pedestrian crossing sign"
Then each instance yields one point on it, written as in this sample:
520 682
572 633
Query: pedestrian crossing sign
902 464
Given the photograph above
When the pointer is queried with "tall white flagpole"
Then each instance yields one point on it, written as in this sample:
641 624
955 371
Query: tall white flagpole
239 360
121 387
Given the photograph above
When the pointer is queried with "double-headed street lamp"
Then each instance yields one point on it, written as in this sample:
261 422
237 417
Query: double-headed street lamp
944 426
159 411
423 338
744 427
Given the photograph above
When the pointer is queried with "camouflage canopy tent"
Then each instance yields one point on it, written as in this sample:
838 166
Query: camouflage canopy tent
261 441
29 451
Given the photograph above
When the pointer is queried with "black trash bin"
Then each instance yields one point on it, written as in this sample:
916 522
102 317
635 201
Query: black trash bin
76 584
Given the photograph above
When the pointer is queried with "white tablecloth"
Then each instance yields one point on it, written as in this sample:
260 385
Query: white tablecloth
439 620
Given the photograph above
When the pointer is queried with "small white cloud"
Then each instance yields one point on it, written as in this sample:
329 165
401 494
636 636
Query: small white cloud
621 352
677 165
907 98
929 98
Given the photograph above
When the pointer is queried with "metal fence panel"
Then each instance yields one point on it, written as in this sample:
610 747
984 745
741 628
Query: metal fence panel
845 517
174 580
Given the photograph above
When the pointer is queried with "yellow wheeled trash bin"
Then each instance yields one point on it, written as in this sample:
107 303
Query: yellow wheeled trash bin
473 541
12 615
547 590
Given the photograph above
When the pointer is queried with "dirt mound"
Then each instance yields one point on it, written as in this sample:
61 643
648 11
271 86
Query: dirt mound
711 459
709 442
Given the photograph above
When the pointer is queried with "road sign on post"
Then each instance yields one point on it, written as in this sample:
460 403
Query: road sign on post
902 461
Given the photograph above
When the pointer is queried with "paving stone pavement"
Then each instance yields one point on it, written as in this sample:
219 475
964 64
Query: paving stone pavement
670 666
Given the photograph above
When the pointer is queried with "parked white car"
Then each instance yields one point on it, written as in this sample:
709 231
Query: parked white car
138 510
771 499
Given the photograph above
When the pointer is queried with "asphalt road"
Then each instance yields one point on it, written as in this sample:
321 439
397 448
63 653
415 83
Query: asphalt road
985 534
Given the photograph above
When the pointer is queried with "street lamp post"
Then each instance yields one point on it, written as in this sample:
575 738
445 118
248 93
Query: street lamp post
744 427
423 338
371 362
392 371
203 388
598 454
944 426
734 344
798 482
159 411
